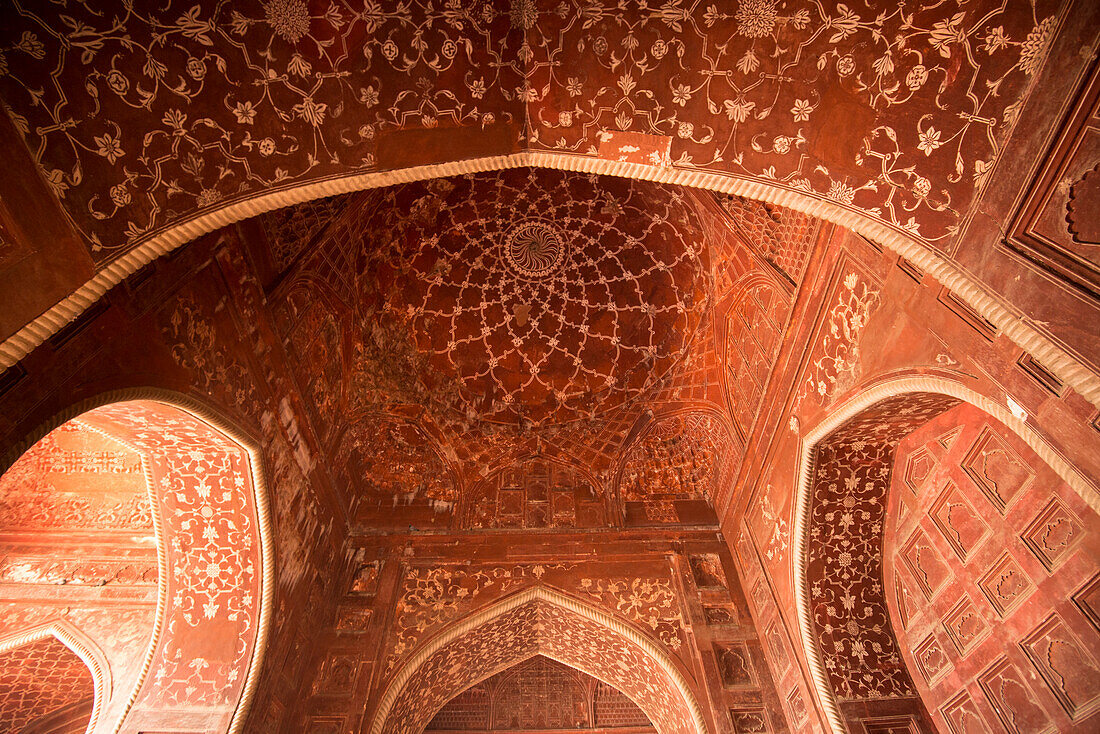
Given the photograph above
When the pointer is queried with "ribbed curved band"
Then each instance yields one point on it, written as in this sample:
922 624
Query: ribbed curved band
1061 363
804 489
202 412
547 596
85 649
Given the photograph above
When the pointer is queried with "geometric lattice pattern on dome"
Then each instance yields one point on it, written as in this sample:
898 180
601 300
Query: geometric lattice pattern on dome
754 329
549 296
784 236
38 679
291 228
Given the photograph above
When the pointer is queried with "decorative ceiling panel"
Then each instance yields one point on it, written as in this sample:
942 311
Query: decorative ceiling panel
141 117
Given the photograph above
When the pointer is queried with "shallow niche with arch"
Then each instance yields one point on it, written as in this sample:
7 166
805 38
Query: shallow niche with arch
136 533
882 530
539 622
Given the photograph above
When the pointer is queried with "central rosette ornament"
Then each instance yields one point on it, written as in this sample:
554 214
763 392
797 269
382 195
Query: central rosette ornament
546 296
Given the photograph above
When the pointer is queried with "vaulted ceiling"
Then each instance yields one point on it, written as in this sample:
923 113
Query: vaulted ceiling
460 336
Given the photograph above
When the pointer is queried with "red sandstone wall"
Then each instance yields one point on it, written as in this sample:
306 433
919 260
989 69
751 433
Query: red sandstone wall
992 571
683 594
195 324
864 316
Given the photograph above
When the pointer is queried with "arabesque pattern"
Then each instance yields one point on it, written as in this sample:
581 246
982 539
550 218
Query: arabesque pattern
820 98
844 569
539 627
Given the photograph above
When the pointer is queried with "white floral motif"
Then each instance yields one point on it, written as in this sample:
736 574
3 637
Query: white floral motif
838 353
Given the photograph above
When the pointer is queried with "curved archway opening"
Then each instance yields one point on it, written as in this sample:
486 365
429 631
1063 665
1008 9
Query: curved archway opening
539 621
539 694
141 526
850 644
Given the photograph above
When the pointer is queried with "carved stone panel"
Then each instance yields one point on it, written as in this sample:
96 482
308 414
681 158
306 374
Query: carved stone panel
925 563
932 660
962 716
965 626
1053 534
1012 698
997 469
1006 585
1069 669
959 522
735 665
1056 227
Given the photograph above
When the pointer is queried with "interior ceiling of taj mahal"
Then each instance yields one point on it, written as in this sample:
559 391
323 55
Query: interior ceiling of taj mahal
550 365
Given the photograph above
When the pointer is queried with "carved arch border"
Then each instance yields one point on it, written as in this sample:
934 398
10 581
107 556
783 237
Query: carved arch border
205 413
508 604
69 636
1062 363
839 415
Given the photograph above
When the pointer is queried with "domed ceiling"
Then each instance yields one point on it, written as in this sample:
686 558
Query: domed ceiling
482 320
544 297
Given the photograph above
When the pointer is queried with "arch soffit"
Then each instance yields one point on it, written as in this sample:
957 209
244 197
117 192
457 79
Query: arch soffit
837 417
81 646
541 595
1060 362
210 416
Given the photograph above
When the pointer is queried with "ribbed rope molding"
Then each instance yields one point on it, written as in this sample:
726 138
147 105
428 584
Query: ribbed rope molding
1061 363
804 489
258 473
68 636
536 594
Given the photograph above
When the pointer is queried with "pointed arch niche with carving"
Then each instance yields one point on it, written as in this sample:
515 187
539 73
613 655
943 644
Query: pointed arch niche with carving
539 621
849 643
51 679
206 499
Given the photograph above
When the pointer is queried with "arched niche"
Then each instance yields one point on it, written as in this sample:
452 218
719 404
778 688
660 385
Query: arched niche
55 659
207 501
843 479
674 466
538 621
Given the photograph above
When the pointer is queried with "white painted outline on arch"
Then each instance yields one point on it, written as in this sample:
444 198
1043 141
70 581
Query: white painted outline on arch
70 636
257 471
554 598
840 414
1061 363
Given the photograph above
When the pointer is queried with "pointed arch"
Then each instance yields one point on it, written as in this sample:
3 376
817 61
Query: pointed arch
206 483
84 648
914 386
1064 365
537 621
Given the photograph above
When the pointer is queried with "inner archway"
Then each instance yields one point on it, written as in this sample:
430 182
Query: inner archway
544 622
169 504
46 686
539 694
848 640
